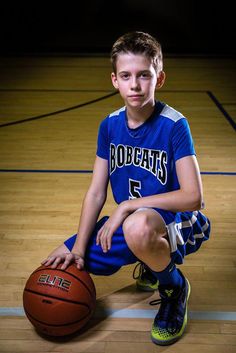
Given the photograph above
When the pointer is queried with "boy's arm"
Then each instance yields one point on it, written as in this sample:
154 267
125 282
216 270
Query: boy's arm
92 205
188 198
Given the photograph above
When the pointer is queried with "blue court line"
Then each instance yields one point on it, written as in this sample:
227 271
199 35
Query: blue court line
84 171
218 173
138 314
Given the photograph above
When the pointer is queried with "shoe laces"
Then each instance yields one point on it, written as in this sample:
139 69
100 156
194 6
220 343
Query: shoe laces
142 271
138 270
167 312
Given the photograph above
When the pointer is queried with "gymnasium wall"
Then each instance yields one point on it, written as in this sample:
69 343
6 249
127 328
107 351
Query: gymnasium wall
182 26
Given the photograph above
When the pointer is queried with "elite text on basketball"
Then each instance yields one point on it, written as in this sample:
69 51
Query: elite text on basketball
55 281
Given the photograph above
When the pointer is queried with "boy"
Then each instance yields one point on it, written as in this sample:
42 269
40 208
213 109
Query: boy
145 150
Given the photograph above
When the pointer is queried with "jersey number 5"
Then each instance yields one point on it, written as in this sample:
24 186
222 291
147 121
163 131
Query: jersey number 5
134 187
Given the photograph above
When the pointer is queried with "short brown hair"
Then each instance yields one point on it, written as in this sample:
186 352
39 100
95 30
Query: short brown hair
138 43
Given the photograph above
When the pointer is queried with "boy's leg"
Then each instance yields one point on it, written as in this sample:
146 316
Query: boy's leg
96 261
146 280
146 235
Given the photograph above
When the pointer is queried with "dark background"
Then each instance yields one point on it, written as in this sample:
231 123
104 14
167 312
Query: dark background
91 26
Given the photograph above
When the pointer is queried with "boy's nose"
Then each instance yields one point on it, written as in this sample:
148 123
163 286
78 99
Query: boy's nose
135 84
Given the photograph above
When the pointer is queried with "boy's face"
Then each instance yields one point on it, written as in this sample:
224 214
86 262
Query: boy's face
136 79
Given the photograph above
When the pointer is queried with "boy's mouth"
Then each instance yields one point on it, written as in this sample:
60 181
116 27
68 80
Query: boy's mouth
136 96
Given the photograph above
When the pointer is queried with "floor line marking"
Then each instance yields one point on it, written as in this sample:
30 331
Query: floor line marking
222 110
137 313
57 112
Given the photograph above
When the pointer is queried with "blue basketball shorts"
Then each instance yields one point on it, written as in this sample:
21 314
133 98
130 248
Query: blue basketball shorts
186 232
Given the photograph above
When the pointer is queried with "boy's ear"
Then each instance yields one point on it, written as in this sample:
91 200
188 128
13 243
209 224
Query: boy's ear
114 80
161 79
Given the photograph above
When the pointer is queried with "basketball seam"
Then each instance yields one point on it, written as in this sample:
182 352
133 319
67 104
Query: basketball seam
53 297
71 274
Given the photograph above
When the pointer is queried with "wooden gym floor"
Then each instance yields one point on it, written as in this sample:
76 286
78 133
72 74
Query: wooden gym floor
45 169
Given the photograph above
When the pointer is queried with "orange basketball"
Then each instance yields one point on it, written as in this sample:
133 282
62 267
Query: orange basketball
59 302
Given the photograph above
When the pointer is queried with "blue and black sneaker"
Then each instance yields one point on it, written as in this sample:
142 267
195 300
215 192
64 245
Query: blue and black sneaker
171 319
145 279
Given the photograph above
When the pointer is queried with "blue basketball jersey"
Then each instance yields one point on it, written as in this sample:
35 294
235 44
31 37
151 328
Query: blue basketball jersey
142 160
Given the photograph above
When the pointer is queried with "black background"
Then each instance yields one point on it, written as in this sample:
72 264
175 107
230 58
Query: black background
91 26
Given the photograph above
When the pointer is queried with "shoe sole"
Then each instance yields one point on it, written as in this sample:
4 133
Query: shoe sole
145 288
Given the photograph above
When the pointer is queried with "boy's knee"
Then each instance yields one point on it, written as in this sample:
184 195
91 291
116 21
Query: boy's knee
135 226
139 231
143 239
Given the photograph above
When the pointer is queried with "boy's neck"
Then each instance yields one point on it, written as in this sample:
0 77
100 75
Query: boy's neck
138 116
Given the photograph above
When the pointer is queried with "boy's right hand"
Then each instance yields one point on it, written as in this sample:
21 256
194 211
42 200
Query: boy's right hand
66 259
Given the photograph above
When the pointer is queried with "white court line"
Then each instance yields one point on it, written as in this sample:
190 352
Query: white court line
138 314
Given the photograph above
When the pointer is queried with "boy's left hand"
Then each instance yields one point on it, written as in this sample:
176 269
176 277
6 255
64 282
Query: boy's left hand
105 234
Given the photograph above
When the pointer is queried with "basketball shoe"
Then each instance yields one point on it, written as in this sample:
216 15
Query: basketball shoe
145 279
171 319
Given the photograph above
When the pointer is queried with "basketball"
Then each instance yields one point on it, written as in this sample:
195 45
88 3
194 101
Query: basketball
59 302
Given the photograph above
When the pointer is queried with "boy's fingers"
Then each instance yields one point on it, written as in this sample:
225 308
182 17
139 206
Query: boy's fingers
48 261
98 238
65 265
44 261
106 242
68 259
104 238
80 264
103 244
56 262
109 243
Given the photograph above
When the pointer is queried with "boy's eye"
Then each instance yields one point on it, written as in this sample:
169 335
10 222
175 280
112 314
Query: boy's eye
145 74
125 76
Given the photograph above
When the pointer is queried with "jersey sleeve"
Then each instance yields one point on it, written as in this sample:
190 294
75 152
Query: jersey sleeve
102 140
182 141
